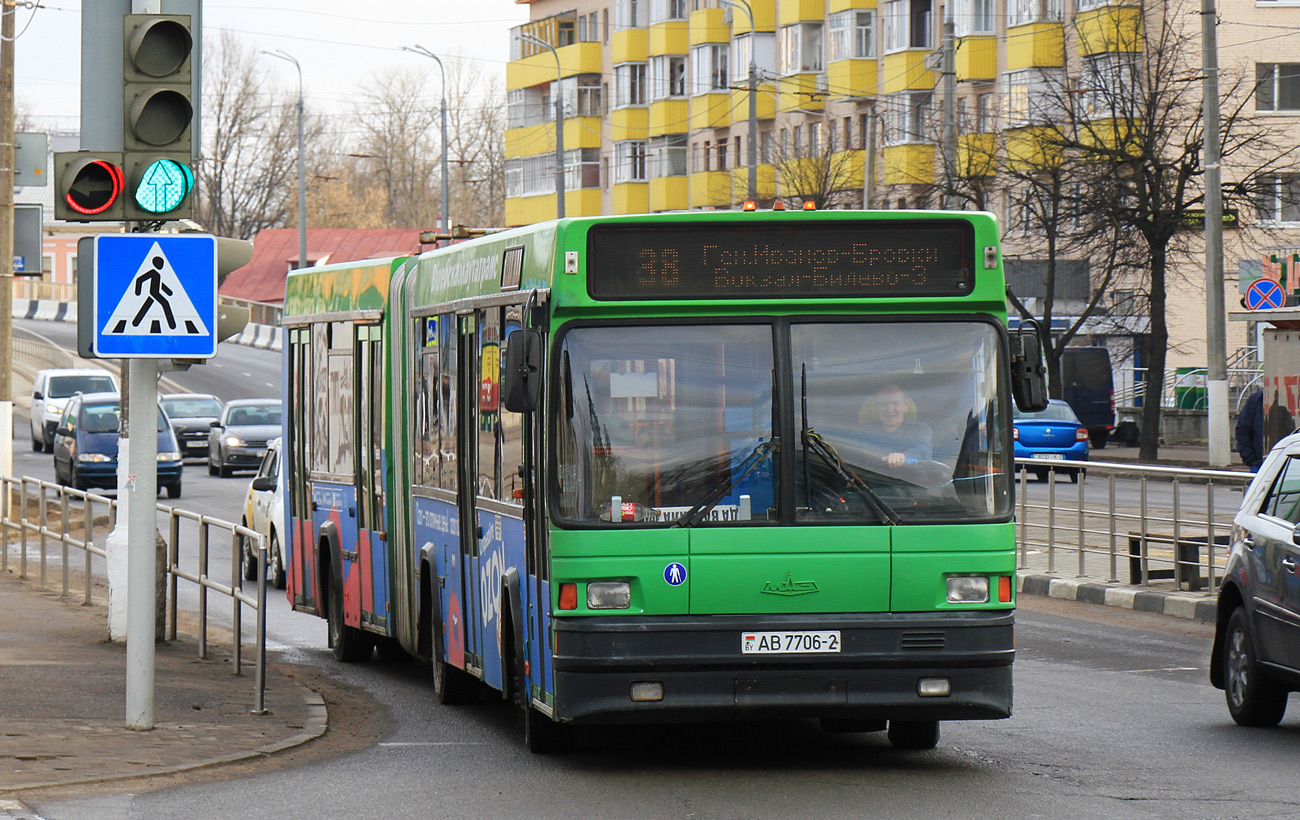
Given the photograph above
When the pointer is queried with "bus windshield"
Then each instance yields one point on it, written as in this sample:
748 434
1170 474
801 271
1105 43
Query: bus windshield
893 423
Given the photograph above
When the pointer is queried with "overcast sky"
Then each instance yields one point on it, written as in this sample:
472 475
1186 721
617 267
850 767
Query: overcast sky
338 43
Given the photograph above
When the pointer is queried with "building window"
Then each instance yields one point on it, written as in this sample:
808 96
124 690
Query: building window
667 77
851 35
629 14
709 67
906 118
629 84
765 147
1089 5
796 142
667 156
1107 85
764 54
661 10
801 48
1277 86
1277 198
974 17
630 161
814 139
906 24
1033 96
1020 12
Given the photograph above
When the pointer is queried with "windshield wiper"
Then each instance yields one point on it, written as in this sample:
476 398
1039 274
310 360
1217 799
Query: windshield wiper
720 491
812 440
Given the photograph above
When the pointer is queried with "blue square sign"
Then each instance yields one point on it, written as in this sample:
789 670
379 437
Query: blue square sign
155 296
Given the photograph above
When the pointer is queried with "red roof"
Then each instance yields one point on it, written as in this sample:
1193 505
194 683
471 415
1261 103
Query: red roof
275 252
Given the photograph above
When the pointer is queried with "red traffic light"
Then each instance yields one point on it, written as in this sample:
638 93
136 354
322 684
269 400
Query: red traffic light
92 186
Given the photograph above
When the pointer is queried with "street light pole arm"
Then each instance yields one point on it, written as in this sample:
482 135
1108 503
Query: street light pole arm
446 185
559 121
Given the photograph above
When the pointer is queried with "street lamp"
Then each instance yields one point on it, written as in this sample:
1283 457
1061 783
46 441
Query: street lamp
280 54
559 122
446 196
743 5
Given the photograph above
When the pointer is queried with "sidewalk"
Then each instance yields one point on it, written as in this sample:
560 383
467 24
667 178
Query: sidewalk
63 701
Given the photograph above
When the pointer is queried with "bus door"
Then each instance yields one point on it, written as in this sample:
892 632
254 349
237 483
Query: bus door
300 571
372 534
468 392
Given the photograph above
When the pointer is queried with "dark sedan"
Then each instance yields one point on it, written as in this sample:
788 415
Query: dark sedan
237 440
192 415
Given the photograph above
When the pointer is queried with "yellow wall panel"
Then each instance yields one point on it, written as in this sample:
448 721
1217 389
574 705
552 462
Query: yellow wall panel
851 78
525 210
670 194
625 124
670 37
708 26
977 58
579 58
710 189
711 110
1036 45
797 11
846 5
906 71
631 45
799 92
977 155
740 104
631 198
1031 148
908 165
669 117
1112 28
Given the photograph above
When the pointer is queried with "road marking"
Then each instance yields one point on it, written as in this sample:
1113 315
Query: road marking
248 375
268 384
1169 669
399 744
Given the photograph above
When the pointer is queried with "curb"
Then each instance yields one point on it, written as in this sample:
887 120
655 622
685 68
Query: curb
315 725
1174 604
263 337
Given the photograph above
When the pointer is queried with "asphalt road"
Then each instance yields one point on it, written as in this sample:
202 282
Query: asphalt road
1114 719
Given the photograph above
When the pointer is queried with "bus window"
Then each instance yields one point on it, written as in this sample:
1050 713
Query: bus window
448 369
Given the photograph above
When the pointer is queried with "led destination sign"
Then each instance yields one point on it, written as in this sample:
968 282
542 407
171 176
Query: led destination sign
738 261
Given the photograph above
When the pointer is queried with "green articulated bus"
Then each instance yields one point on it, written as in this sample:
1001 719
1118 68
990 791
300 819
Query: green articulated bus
680 467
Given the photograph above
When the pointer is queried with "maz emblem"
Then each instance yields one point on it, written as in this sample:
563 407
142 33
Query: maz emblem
790 587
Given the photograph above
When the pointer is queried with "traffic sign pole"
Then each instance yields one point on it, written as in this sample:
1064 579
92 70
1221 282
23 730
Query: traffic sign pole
142 480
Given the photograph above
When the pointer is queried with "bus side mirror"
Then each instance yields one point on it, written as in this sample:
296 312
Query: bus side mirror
521 373
1028 373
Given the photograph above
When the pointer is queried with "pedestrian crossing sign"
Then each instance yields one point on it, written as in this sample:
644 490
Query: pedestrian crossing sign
155 296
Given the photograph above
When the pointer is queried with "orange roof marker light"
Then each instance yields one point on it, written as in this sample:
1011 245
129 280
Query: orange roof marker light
778 205
750 205
809 205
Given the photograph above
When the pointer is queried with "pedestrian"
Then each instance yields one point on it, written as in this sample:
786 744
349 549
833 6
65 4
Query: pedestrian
1250 431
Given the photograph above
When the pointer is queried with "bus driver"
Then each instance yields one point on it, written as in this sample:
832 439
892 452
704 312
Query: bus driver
888 430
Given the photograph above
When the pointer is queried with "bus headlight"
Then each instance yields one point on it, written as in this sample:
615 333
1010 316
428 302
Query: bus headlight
968 589
609 595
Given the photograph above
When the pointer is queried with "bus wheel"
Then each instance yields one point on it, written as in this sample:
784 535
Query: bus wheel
350 644
543 735
914 734
451 684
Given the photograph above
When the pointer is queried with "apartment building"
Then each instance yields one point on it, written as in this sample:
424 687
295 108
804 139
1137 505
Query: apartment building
849 105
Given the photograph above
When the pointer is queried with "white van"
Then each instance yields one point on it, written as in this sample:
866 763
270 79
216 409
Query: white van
50 393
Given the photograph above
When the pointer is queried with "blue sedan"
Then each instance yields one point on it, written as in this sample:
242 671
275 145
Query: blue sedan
1055 434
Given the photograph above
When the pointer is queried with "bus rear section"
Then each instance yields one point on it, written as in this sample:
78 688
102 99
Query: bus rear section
799 516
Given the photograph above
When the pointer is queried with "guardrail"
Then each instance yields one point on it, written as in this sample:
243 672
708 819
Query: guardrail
1172 523
50 513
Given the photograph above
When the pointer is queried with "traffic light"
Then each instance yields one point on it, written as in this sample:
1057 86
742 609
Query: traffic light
156 116
91 186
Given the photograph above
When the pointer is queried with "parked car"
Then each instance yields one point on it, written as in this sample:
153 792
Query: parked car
264 512
50 393
85 445
1054 434
1256 655
192 415
237 440
1088 386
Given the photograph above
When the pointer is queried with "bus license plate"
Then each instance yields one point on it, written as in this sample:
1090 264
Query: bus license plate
1048 456
789 643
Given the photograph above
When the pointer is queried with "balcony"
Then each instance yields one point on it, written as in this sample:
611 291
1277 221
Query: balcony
579 58
631 45
669 37
668 117
1109 29
740 104
977 155
766 181
1035 45
800 11
525 210
906 71
631 198
579 132
670 194
803 92
709 26
1032 148
710 189
909 164
851 78
711 110
626 124
977 58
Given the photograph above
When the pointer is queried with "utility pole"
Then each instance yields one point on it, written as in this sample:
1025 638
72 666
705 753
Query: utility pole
869 171
6 238
948 66
281 54
446 185
559 122
752 154
1216 381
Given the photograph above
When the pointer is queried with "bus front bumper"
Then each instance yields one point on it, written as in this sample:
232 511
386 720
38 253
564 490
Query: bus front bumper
704 675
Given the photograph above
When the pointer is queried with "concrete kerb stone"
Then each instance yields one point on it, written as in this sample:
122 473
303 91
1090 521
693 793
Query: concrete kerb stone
1174 604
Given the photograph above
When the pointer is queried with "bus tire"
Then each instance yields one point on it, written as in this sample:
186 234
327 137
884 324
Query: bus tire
350 645
451 684
914 735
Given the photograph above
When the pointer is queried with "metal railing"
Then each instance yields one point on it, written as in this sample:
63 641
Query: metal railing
49 513
262 313
1165 524
36 288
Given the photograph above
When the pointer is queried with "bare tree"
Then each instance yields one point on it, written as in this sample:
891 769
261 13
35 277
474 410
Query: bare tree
476 145
812 167
398 146
247 174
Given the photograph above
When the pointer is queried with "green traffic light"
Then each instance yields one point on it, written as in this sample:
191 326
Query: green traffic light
163 186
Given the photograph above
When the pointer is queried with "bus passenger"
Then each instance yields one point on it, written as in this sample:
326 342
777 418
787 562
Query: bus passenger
888 429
